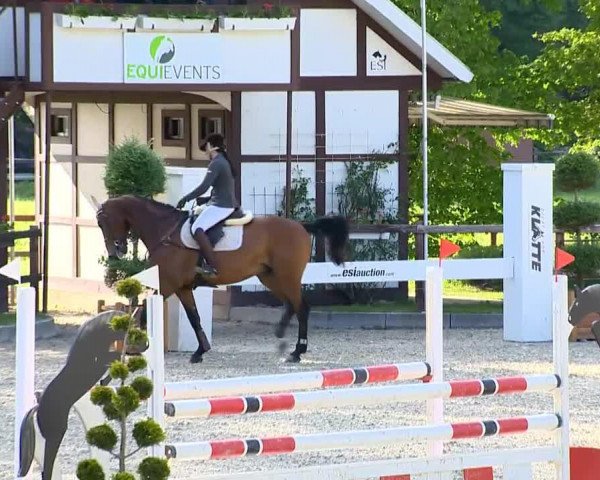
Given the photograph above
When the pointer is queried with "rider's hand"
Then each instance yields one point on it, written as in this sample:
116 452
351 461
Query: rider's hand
181 203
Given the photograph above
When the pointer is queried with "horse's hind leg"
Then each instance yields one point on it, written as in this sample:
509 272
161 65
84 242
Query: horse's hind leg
291 294
186 297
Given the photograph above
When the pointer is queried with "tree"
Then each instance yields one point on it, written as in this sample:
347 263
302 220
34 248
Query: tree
564 80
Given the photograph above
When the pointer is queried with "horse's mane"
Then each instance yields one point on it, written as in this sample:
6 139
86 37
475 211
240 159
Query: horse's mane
164 208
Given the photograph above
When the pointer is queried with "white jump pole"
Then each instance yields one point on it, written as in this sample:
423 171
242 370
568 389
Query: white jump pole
561 368
156 366
25 364
434 346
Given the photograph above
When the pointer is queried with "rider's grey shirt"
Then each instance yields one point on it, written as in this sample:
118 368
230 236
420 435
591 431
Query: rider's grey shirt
218 176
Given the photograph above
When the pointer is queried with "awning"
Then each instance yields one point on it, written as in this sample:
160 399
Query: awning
456 112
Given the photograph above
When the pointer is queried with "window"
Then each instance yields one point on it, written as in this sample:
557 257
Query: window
209 122
173 128
60 125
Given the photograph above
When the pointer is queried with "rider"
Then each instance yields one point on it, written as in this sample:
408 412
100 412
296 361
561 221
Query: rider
222 203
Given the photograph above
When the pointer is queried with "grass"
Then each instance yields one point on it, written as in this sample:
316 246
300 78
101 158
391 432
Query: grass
410 306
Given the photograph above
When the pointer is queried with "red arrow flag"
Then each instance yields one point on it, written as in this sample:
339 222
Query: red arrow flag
562 258
447 249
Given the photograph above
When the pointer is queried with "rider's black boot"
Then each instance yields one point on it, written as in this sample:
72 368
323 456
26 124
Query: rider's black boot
206 252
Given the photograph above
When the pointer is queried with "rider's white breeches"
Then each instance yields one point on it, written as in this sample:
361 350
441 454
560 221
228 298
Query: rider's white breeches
210 216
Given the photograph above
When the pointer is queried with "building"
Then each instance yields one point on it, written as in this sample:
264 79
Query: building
325 82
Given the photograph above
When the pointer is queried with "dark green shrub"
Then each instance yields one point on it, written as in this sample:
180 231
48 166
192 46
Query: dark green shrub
587 261
479 251
571 216
576 171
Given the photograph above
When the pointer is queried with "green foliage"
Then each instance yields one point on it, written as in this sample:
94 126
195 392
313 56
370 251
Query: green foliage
190 12
301 206
118 370
465 180
110 411
478 251
571 216
122 268
127 400
121 323
90 470
563 80
360 197
123 476
134 168
136 364
102 436
576 171
137 337
143 386
587 260
100 395
154 469
129 288
147 433
265 10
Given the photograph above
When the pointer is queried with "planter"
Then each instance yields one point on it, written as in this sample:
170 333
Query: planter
234 23
95 22
158 24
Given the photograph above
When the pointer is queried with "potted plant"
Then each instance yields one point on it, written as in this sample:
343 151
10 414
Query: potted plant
198 20
95 16
132 168
266 17
120 402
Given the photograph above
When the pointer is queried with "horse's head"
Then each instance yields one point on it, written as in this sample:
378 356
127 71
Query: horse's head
114 225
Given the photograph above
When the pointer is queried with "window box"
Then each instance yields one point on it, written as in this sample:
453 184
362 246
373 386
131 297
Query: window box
60 125
174 128
243 23
95 22
159 24
209 122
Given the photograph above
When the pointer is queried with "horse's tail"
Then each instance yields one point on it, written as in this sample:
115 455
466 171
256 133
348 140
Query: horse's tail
27 441
335 229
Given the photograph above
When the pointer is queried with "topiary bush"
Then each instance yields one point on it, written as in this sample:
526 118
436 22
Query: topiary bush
572 215
587 261
576 171
119 403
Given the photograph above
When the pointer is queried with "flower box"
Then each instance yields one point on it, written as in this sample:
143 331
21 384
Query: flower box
96 22
175 24
244 23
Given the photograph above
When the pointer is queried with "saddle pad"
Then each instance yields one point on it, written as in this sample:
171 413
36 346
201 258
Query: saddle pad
231 240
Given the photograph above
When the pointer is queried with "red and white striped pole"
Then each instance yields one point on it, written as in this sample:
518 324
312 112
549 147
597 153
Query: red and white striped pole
349 440
283 382
342 397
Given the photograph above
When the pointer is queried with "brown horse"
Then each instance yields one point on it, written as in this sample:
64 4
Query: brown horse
275 249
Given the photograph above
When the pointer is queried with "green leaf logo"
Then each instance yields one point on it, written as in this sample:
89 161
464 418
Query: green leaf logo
162 49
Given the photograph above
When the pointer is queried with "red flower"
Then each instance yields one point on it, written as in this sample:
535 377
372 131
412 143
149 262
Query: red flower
267 6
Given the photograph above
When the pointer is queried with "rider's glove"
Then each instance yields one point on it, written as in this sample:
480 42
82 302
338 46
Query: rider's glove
181 203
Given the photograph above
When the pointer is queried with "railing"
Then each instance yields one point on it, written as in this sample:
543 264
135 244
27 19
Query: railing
7 240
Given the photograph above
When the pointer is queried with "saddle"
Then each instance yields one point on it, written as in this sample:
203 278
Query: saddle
238 218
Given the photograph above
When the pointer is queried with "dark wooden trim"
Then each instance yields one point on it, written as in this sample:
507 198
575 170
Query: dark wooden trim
403 182
410 82
361 44
235 140
47 44
150 124
69 114
131 97
111 124
288 154
180 113
311 158
168 87
187 131
99 160
74 188
320 167
295 54
182 162
47 155
90 159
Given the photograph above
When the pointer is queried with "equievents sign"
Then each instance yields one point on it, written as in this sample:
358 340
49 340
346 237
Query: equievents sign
173 58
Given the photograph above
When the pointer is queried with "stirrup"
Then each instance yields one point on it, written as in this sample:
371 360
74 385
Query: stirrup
206 270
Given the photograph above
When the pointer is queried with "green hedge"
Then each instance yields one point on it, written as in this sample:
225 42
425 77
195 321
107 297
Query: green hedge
479 251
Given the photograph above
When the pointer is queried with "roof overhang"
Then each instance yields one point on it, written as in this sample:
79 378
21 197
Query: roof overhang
456 112
408 33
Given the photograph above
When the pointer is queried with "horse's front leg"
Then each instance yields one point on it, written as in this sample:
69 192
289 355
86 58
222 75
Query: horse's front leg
186 297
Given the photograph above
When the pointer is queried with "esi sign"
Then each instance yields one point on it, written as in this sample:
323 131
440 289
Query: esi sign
173 58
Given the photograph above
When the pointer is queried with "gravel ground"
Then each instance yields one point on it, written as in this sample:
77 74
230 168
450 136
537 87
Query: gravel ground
251 349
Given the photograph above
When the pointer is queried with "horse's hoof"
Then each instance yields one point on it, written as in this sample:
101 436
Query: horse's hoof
293 358
279 331
283 346
196 358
